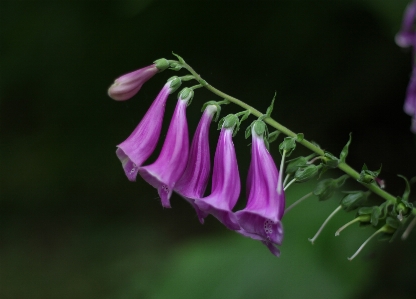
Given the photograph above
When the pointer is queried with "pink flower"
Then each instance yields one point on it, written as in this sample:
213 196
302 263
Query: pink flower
406 36
141 143
126 86
169 166
260 219
194 180
225 180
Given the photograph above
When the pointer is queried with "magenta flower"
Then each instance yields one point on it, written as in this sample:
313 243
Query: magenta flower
126 86
410 101
142 142
406 37
260 219
169 166
194 180
225 179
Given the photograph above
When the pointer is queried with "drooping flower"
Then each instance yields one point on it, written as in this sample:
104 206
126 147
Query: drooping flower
410 101
260 219
406 37
194 180
169 166
141 143
126 86
225 179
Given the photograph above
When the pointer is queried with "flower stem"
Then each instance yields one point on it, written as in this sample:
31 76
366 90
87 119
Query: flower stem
288 184
365 243
343 166
409 229
324 224
346 225
286 178
298 201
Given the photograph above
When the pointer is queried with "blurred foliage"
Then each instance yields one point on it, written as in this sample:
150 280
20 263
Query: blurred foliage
72 226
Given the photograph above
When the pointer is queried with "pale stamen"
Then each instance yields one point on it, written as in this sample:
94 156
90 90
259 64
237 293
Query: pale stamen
323 224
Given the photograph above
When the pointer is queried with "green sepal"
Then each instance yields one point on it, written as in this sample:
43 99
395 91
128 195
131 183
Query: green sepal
344 152
161 64
402 206
375 215
247 133
330 160
354 199
301 161
179 58
270 108
259 127
217 105
175 66
175 83
406 192
393 223
365 211
306 173
288 145
229 121
325 189
273 136
368 176
186 94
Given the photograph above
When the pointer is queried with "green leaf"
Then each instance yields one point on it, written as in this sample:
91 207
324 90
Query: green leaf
344 152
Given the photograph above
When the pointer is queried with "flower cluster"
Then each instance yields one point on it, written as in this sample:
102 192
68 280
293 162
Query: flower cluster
186 169
406 38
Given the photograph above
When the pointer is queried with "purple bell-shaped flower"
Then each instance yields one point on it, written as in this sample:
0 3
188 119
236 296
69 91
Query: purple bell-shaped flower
194 180
170 165
142 142
260 219
225 179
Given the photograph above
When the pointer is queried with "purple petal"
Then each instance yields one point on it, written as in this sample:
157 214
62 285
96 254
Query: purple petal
194 180
169 166
225 183
260 219
406 36
142 142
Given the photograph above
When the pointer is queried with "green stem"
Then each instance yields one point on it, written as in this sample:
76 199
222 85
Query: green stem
343 166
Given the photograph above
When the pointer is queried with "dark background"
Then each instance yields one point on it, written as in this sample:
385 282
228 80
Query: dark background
73 226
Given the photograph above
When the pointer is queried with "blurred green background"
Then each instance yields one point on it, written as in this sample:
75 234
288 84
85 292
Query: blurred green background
73 226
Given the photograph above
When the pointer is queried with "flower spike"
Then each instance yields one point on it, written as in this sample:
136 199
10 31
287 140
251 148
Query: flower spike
260 219
194 180
169 166
126 86
225 180
141 143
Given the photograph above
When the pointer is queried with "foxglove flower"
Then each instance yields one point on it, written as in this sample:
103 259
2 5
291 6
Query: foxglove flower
406 37
225 179
194 180
142 142
410 101
260 219
169 166
126 86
